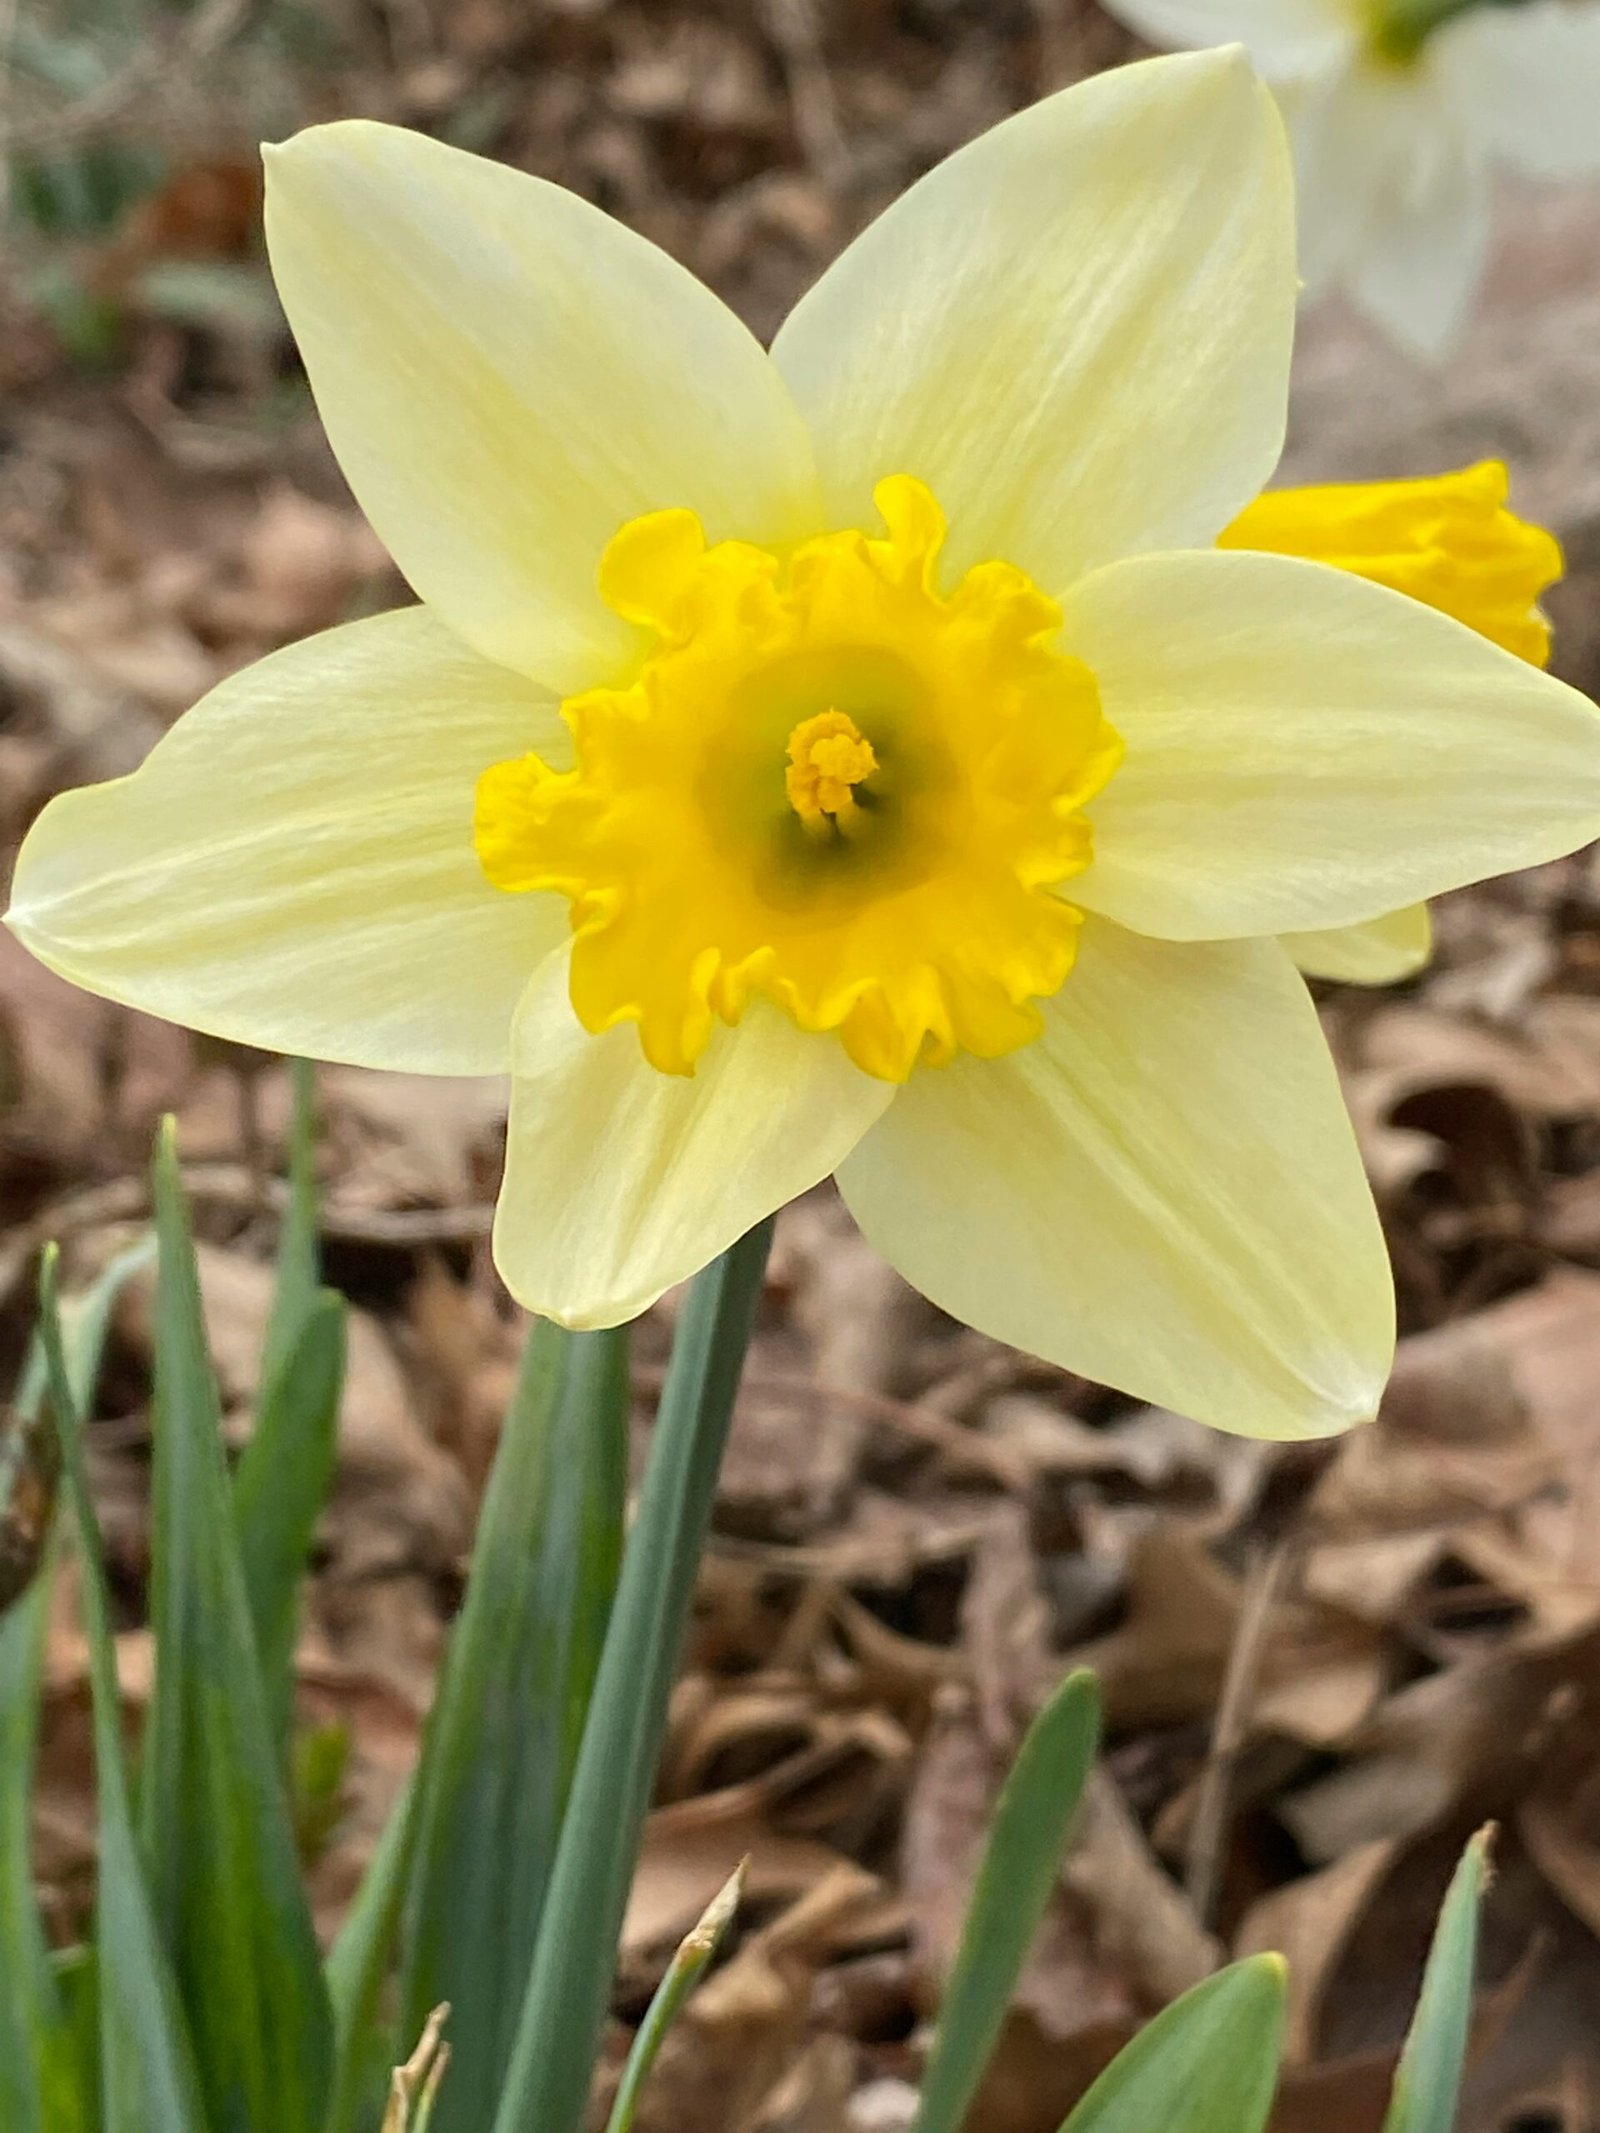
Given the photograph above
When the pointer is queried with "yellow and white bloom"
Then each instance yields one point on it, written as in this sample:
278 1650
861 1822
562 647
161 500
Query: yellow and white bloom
1400 111
1448 540
856 758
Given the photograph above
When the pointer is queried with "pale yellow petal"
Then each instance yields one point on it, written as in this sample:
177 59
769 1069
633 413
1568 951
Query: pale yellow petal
293 865
1306 750
1380 952
1162 1193
1076 331
621 1180
507 375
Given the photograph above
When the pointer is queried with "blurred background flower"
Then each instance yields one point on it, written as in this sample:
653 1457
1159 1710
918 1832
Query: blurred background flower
1401 112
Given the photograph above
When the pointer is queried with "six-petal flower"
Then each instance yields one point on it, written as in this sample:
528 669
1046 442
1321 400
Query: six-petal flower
950 859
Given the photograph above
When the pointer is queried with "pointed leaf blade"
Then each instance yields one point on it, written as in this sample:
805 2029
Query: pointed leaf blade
223 1868
358 1961
1206 2064
504 1735
36 2070
285 1471
1020 1862
299 1246
1427 2087
564 2004
41 2090
147 2069
280 1487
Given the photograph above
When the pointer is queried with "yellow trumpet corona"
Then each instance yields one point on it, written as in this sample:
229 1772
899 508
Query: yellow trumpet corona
887 867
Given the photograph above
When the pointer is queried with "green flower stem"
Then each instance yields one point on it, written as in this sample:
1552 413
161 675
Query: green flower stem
569 1984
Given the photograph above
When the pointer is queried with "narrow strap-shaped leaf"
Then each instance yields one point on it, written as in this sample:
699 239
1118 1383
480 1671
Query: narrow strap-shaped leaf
1427 2086
357 1963
41 2090
299 1247
223 1868
77 1976
85 1325
279 1490
508 1720
35 2041
1206 2064
147 2071
684 1972
564 2008
1020 1862
284 1473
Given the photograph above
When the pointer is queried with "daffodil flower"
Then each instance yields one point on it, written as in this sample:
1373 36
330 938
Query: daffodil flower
1401 111
1448 540
859 758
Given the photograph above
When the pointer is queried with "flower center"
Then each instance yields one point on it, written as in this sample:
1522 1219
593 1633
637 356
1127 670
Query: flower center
829 783
1397 30
828 759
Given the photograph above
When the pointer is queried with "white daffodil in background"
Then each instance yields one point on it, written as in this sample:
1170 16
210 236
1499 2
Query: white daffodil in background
857 758
1400 111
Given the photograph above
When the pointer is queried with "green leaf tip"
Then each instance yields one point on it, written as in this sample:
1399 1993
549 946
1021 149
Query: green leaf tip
1032 1820
1206 2064
683 1974
717 1916
1427 2085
